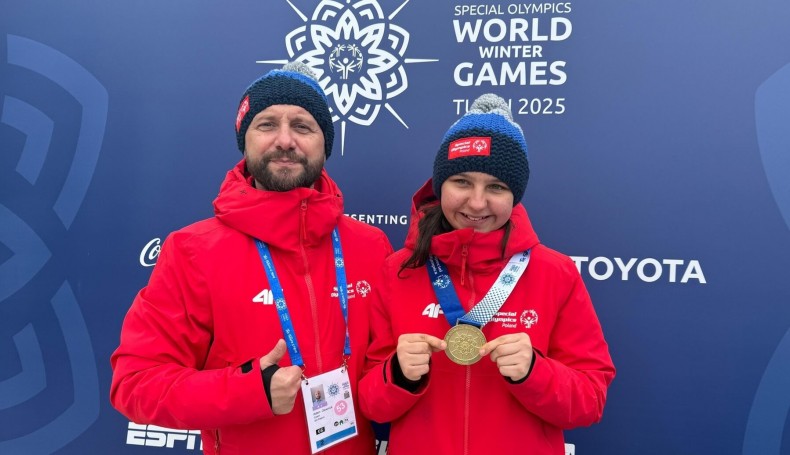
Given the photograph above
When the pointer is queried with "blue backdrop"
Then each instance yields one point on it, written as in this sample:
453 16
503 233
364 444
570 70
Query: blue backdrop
659 145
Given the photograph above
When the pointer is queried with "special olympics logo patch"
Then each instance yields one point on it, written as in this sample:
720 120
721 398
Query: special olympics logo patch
480 145
363 288
358 56
529 318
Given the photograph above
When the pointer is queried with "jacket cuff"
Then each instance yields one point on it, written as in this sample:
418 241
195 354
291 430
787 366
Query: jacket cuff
266 376
535 353
400 380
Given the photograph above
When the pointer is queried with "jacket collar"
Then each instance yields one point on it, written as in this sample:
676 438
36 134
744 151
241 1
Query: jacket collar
284 220
466 248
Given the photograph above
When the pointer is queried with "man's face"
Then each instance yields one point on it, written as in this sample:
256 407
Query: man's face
284 148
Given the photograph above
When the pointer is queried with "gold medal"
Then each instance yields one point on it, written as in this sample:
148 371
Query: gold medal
463 344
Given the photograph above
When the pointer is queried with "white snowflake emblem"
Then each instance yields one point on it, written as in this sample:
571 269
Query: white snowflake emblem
529 318
363 288
442 281
357 55
280 303
339 263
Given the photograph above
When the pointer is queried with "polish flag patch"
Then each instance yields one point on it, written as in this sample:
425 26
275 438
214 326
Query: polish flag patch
243 109
469 146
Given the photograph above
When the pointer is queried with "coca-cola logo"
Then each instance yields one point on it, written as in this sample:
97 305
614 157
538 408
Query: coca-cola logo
150 252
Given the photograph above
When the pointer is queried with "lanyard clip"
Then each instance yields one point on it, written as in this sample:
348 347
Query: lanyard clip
345 364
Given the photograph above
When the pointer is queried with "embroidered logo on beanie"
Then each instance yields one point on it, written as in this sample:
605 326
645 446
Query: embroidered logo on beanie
469 146
243 109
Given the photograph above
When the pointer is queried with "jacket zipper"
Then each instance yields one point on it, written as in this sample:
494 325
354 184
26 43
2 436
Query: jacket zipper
303 224
468 389
464 256
311 292
466 408
216 442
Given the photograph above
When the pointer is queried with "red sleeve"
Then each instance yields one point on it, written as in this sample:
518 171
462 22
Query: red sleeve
567 387
158 375
381 400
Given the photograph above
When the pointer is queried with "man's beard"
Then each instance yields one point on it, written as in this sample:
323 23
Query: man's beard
284 179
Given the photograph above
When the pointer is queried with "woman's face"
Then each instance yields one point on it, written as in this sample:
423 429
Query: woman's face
476 200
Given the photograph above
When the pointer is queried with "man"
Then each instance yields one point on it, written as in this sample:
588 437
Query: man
246 311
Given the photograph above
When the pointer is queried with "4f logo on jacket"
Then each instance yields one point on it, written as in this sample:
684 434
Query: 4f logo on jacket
265 297
433 310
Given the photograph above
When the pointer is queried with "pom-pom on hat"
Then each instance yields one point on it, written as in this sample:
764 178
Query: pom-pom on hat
294 84
485 139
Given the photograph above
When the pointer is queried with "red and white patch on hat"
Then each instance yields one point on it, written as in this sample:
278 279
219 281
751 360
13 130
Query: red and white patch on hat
469 146
243 109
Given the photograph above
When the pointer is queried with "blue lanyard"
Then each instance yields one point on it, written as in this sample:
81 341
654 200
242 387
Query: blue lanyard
485 309
282 308
445 292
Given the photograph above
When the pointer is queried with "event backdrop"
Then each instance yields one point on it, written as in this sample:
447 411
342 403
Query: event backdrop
659 143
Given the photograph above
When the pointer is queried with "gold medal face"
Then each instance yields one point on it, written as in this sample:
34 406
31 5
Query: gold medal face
463 344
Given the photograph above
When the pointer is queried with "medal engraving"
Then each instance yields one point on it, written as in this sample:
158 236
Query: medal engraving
463 344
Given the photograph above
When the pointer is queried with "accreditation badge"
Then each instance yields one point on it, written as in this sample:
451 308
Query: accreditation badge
329 408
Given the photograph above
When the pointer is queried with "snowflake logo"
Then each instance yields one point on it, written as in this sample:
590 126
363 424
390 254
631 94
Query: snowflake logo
280 304
339 263
442 281
333 389
529 318
508 279
358 57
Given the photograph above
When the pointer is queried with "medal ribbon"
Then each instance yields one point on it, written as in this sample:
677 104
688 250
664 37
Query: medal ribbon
485 309
282 307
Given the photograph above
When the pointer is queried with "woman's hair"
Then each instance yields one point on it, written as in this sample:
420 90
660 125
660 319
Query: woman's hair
434 223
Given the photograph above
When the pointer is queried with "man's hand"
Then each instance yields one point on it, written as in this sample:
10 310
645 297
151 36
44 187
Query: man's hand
285 381
512 354
414 352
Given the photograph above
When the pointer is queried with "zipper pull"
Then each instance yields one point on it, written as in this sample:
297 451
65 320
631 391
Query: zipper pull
303 218
464 256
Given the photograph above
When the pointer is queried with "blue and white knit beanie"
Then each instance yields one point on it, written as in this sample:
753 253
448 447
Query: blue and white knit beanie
294 84
485 139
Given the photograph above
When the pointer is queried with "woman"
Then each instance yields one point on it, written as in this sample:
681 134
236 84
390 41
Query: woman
530 360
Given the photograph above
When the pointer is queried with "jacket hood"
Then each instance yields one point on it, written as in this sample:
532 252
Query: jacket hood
280 219
483 250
